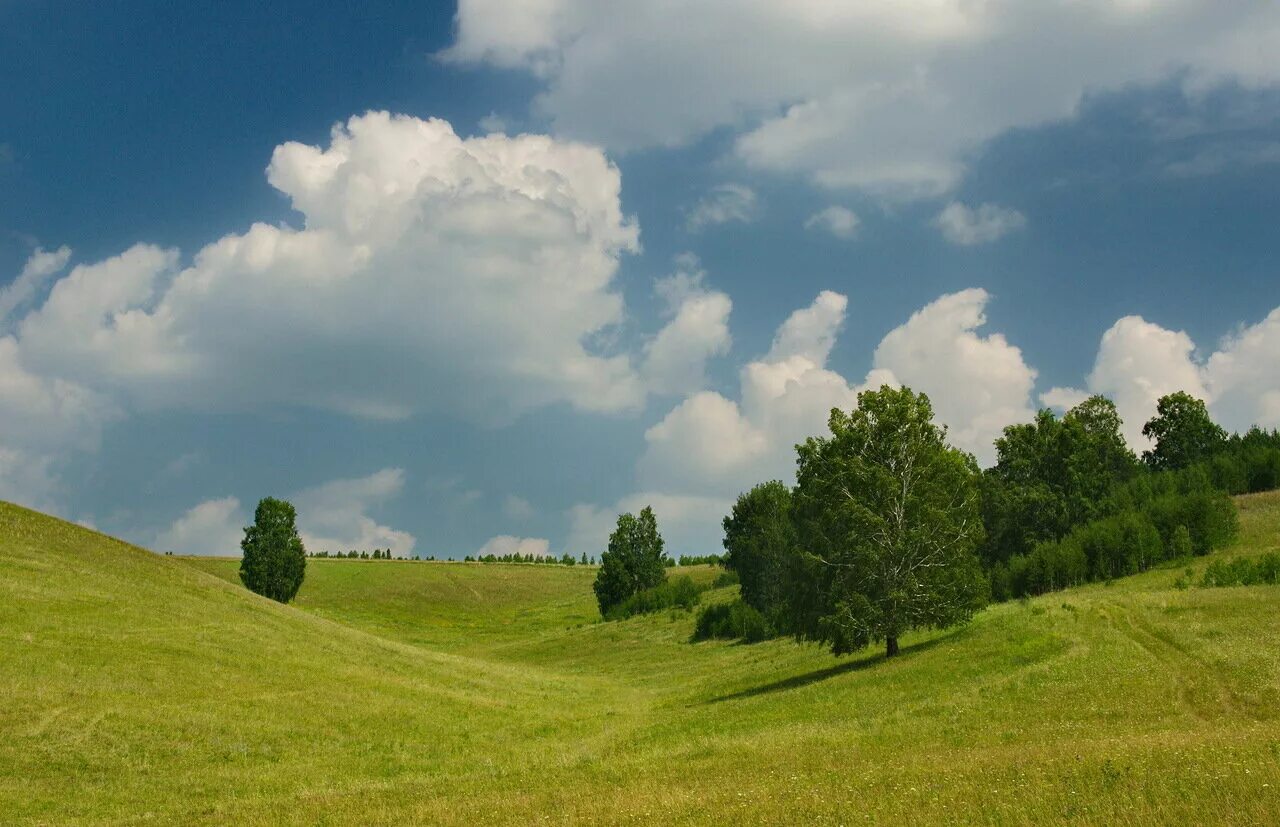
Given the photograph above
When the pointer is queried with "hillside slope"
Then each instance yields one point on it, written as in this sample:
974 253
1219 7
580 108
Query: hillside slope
174 692
138 688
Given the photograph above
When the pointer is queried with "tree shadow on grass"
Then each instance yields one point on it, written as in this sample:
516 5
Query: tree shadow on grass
856 665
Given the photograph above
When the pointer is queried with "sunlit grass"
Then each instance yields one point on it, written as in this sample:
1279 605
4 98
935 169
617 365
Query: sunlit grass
147 690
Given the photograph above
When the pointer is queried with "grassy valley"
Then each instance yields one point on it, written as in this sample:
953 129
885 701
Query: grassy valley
394 692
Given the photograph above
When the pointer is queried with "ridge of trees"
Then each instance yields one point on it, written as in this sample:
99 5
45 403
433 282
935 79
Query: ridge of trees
889 528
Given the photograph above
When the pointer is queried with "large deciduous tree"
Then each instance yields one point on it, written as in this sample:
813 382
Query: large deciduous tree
633 560
1182 432
888 522
274 560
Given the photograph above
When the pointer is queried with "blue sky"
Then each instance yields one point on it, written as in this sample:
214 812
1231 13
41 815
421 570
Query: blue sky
711 231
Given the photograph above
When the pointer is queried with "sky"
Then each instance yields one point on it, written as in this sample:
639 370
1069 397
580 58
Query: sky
479 277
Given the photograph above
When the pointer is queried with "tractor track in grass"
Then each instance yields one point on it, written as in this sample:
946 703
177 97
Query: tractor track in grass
1200 687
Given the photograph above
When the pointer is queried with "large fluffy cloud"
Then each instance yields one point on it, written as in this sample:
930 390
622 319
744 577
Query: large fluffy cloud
431 272
881 94
709 447
978 384
1139 361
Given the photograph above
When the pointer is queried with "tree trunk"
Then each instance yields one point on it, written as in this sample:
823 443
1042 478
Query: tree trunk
890 646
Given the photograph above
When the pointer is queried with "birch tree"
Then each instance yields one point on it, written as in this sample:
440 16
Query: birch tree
888 520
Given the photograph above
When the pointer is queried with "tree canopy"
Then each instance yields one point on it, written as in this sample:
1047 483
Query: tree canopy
887 516
1052 474
1183 433
274 560
760 539
633 561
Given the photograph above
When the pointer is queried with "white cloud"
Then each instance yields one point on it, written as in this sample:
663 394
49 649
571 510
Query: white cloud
1140 361
477 267
505 544
698 329
709 448
517 508
888 95
688 524
841 222
333 516
725 203
214 527
967 226
978 384
40 267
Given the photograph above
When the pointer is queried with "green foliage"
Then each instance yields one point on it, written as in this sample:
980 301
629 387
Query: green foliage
274 560
699 560
1051 475
1183 433
677 593
888 520
1180 543
725 579
633 562
760 540
1243 571
732 621
1166 516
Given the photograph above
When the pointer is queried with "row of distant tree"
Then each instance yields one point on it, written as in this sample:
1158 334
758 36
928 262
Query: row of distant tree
889 528
354 554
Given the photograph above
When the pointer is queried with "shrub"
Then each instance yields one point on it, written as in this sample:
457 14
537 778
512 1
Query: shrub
724 579
678 592
1243 571
732 621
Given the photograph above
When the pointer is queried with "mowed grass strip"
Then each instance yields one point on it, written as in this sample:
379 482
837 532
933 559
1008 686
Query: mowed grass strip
487 693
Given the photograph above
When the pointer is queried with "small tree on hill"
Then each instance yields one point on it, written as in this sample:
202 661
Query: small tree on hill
888 523
274 560
1182 431
760 538
632 562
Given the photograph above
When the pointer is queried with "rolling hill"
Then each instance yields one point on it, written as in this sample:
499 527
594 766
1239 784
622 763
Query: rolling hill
153 689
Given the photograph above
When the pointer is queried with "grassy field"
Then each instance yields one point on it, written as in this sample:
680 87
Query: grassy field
145 689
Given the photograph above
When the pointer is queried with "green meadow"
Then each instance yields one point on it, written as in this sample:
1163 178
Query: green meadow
141 689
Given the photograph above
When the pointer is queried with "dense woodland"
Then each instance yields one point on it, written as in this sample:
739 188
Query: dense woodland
888 528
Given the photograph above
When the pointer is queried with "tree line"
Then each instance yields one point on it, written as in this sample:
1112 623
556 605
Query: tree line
889 528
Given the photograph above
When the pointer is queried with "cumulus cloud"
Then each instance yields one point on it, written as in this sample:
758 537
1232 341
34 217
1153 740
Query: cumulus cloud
439 273
505 544
978 384
852 94
967 226
334 516
214 527
724 204
1139 361
697 329
709 448
840 222
40 267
